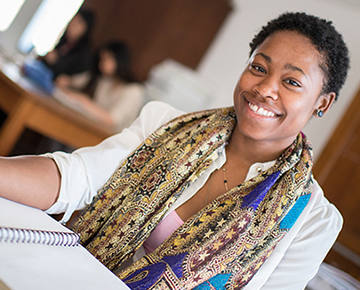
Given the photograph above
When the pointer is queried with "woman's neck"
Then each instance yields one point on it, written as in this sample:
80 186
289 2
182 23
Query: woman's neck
249 151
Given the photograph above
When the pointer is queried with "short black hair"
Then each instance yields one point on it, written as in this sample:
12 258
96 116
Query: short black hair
325 38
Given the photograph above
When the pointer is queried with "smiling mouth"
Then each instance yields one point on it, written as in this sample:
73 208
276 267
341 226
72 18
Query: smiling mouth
260 111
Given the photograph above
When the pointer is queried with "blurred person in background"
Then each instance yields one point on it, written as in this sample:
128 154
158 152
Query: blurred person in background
112 96
72 55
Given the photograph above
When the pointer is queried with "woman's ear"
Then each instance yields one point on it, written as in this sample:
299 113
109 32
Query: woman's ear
323 104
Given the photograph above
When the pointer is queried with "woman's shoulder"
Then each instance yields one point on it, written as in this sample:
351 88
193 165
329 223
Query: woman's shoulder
162 110
153 115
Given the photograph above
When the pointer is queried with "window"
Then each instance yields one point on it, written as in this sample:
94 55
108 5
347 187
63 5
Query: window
47 25
9 10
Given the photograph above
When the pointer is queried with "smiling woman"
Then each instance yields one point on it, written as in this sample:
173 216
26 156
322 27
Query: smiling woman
220 199
283 77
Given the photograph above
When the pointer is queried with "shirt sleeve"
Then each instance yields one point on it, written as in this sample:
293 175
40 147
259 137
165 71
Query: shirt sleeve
86 170
297 257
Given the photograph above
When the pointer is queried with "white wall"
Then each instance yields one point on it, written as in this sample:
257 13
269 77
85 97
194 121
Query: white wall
228 54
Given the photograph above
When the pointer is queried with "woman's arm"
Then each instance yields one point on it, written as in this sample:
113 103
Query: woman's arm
92 109
30 180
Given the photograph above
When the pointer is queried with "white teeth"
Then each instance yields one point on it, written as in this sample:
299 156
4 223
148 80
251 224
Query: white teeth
261 111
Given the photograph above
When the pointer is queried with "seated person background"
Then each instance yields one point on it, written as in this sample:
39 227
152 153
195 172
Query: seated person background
72 55
112 96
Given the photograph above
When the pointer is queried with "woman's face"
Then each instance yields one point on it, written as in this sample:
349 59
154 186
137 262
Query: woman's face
107 63
280 89
76 28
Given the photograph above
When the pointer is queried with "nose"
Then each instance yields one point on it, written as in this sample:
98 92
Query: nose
267 88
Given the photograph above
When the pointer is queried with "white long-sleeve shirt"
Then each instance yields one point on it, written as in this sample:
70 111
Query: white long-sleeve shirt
295 259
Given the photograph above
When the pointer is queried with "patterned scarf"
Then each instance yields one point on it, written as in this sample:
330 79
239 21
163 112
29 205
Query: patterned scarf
220 247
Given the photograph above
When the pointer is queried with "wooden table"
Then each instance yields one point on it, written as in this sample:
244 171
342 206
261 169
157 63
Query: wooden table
27 106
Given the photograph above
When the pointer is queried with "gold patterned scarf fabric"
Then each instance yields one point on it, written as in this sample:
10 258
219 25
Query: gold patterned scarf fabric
220 247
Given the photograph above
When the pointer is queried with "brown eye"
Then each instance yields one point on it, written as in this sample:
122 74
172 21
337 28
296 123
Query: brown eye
293 83
258 68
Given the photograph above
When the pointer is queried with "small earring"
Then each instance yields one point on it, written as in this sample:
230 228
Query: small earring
319 113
